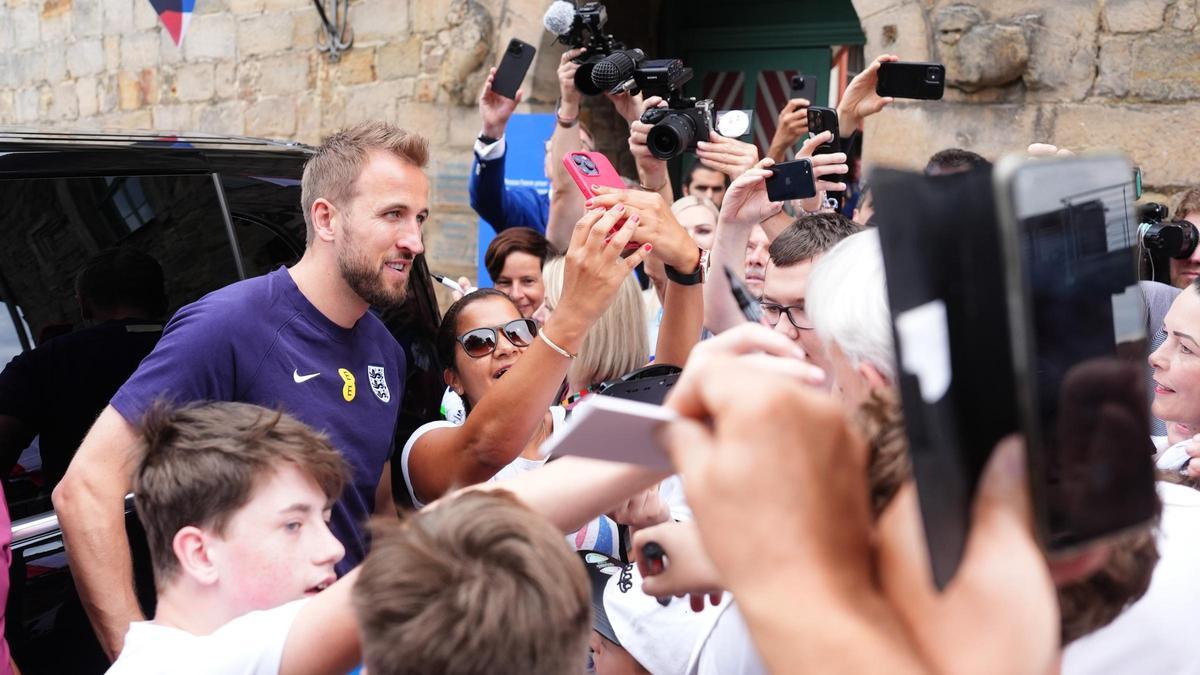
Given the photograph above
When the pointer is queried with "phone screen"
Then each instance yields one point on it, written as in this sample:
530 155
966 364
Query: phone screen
1079 345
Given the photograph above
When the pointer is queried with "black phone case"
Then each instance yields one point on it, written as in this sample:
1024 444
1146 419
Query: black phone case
821 119
808 88
909 79
511 71
791 180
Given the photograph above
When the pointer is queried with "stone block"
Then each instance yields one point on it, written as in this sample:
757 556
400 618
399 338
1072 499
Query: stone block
244 7
55 29
398 59
212 7
195 82
375 101
222 118
917 130
1062 58
1164 70
134 119
271 118
1183 15
64 103
308 120
25 26
898 29
1136 130
265 34
87 19
118 16
7 107
285 74
129 91
1114 70
175 117
427 119
86 94
112 52
139 50
987 55
25 105
429 16
211 36
145 18
291 5
225 78
382 20
50 65
107 93
85 57
356 66
306 28
7 40
1134 16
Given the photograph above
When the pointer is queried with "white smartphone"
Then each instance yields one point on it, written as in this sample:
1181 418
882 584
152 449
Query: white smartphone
613 429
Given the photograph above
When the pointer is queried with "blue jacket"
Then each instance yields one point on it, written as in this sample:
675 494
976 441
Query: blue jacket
504 207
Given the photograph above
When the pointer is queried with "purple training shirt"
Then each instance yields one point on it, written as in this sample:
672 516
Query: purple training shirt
261 341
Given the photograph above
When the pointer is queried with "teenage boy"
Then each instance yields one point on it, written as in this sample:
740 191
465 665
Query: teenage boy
298 338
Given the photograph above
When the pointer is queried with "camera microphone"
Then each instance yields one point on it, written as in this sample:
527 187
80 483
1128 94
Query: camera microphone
559 17
616 68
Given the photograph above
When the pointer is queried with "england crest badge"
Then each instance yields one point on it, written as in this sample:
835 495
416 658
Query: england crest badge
378 383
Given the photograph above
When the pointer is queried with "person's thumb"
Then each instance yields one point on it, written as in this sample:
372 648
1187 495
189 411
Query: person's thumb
1004 487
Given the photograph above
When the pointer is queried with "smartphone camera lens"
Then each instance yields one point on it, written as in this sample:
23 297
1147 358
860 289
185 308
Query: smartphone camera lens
514 48
933 74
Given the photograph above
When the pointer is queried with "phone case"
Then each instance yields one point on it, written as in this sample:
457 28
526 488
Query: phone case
807 89
791 180
511 71
591 168
910 79
820 120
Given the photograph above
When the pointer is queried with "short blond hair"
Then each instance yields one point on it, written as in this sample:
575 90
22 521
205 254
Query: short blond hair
617 343
1187 202
332 172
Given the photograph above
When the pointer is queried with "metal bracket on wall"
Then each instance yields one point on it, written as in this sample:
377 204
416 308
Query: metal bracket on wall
337 35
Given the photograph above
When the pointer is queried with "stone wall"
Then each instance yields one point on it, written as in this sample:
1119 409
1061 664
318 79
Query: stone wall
1083 74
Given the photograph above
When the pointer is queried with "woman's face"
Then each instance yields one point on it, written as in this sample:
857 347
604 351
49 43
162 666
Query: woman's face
521 280
473 377
1177 363
700 224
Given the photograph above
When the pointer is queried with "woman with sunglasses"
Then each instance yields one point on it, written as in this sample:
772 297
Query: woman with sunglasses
508 371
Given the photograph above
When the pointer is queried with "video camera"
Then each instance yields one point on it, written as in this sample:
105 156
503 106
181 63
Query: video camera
677 127
1163 238
582 26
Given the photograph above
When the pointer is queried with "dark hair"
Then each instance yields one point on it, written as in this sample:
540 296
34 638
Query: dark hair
201 462
447 334
810 236
480 584
123 277
954 160
696 166
510 241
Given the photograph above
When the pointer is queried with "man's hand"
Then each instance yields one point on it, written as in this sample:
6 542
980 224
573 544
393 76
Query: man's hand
568 96
656 226
689 570
860 100
494 109
746 203
645 509
727 155
628 106
1047 150
831 164
791 127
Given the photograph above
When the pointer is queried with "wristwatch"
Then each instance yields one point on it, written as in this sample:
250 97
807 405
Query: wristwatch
487 140
696 277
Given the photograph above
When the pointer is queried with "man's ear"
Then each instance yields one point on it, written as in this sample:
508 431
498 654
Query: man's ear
324 216
874 379
191 546
451 379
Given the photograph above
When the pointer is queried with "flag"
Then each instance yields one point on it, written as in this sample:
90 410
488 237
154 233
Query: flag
174 15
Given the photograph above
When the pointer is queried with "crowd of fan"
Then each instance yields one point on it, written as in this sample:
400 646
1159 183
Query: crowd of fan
790 527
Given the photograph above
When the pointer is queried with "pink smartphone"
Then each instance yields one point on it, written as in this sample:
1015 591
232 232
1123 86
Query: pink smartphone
591 168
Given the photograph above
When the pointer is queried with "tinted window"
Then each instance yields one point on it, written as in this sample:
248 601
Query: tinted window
10 343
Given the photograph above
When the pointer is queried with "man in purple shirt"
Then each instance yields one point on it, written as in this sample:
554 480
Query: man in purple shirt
300 339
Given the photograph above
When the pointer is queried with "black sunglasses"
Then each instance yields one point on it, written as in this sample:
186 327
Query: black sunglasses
480 342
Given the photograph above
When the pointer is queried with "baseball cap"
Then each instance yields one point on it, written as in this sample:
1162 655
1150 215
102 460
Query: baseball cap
660 638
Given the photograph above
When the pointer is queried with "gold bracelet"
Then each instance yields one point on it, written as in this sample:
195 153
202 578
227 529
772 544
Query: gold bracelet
650 189
550 343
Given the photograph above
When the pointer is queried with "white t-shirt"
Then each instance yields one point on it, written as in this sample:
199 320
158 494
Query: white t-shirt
251 644
726 648
1152 636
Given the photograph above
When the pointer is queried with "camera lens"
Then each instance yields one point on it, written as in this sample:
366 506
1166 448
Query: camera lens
933 74
669 138
589 167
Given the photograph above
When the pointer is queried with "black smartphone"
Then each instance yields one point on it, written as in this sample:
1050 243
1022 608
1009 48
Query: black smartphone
791 180
821 119
511 71
1078 333
910 79
805 87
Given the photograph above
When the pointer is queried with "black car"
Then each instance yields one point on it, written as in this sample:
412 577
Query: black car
211 210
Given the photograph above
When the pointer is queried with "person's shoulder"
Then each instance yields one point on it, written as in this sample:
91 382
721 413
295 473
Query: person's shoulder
228 308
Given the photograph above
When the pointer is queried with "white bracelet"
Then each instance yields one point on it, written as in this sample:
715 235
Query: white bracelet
560 350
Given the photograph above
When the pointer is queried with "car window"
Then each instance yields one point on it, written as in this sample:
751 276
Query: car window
10 342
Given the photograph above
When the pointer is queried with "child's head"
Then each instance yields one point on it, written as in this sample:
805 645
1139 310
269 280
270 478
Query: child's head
235 500
477 584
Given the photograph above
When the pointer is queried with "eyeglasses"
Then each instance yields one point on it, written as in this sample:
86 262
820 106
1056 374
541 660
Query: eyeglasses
480 342
795 314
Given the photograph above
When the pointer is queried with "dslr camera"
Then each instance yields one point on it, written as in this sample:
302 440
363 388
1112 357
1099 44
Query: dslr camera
684 121
1163 238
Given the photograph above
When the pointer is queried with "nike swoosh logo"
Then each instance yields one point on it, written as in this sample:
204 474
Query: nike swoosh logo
298 378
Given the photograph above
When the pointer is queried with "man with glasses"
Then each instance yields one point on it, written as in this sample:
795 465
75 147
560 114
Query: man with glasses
792 256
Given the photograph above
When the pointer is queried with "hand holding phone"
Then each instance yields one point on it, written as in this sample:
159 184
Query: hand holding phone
791 180
511 71
910 79
804 86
